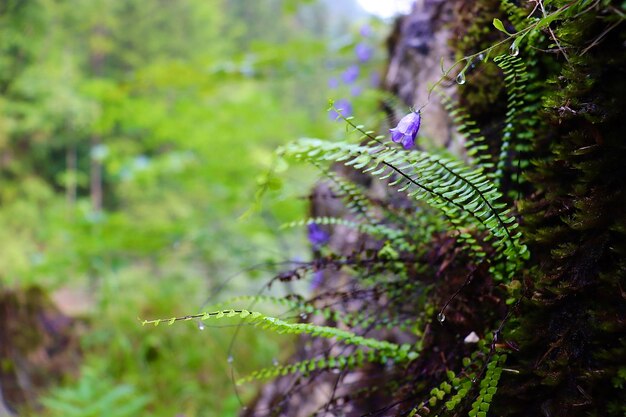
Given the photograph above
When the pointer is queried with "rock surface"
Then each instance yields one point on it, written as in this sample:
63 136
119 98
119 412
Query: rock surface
416 47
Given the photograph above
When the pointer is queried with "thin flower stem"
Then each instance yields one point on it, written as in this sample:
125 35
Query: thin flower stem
469 58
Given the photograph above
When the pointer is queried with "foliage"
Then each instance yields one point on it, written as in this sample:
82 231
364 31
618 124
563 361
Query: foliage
257 319
131 135
517 244
482 232
96 395
461 194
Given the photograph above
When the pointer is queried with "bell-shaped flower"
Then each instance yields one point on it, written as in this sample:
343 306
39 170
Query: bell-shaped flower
407 129
350 74
317 236
363 52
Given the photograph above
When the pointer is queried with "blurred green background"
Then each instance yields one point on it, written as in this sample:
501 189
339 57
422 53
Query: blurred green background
133 136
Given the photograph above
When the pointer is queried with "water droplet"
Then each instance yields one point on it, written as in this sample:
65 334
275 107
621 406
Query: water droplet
514 50
441 317
304 316
201 326
460 79
481 57
230 359
274 361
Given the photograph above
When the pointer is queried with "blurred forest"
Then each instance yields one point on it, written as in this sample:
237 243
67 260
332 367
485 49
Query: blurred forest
133 136
144 148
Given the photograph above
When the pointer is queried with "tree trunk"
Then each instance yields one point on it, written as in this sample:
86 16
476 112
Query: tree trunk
564 330
97 59
72 172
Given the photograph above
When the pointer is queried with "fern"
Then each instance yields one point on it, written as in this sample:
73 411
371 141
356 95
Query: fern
488 387
95 394
475 143
352 319
516 15
456 208
356 201
341 362
396 237
256 319
515 78
457 184
461 388
466 197
416 229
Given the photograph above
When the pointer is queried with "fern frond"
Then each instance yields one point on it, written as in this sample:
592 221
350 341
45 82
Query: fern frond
419 228
351 319
505 253
356 201
256 319
515 79
338 362
488 385
476 146
466 197
457 388
396 237
516 14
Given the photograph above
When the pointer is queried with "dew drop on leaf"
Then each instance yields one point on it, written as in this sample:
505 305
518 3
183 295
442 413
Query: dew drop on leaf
230 359
460 79
514 50
201 326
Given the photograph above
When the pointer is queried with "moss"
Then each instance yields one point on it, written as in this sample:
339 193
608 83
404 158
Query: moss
561 318
570 338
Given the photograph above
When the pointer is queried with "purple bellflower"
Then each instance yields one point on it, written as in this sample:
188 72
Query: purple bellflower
350 74
407 129
317 236
363 52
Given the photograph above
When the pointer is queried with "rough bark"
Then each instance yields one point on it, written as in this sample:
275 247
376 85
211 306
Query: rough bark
565 336
416 46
